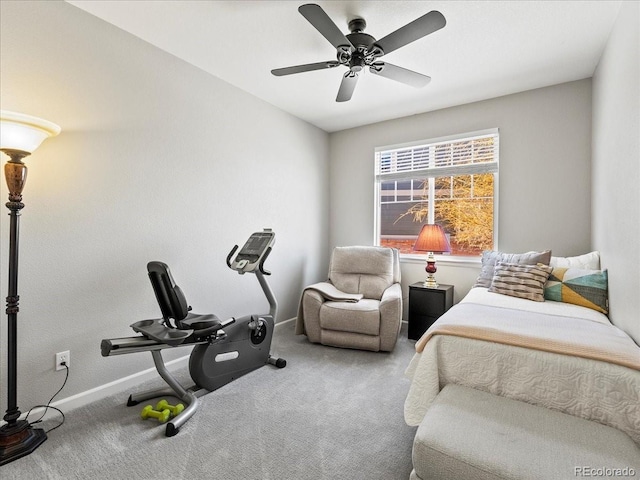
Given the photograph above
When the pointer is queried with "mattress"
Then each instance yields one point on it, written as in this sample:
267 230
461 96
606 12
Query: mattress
590 388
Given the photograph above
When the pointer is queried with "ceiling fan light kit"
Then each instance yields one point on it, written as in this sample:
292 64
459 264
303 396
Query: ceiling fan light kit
358 50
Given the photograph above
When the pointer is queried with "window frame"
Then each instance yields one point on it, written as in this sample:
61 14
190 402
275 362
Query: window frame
442 171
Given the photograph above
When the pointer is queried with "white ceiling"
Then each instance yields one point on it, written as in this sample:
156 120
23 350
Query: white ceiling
487 49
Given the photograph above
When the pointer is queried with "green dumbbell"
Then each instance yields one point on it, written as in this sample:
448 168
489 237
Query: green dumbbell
161 415
174 409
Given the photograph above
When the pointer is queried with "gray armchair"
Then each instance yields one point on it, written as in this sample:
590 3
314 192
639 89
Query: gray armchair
360 306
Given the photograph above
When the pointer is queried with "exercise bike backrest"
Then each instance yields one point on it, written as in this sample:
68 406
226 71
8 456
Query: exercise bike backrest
172 301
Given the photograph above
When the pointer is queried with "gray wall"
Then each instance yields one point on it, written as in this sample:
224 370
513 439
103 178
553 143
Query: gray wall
157 160
544 180
616 167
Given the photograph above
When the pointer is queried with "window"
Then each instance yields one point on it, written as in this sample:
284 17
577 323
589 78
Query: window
450 181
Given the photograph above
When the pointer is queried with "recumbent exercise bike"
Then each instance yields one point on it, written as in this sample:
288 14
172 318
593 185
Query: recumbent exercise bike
219 356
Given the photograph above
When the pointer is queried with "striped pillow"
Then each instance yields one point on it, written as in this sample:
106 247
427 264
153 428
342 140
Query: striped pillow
491 257
522 281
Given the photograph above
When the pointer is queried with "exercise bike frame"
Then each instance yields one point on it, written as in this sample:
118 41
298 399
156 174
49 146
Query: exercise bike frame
203 351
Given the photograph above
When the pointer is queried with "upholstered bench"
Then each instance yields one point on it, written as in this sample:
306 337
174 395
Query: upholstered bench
469 434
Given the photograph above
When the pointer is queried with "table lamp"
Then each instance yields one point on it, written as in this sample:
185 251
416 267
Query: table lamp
432 239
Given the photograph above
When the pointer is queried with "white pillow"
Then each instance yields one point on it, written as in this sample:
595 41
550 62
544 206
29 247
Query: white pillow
588 261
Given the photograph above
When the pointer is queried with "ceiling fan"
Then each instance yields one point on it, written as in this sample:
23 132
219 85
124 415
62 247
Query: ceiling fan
358 50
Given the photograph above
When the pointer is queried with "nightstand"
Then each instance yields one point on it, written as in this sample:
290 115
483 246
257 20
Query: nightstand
426 305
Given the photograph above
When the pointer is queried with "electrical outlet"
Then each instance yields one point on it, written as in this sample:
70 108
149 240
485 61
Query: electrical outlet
63 357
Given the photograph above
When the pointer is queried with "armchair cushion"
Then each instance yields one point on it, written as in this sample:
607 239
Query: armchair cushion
360 317
365 270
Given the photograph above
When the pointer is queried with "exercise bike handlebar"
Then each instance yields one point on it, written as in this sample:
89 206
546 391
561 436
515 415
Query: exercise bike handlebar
252 258
260 265
233 250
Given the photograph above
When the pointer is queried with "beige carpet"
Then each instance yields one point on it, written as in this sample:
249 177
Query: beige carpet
330 414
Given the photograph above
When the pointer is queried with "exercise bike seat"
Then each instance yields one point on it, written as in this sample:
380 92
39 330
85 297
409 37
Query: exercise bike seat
155 329
174 307
199 321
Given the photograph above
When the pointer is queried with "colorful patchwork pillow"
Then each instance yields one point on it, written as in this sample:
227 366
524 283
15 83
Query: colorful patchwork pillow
587 288
522 281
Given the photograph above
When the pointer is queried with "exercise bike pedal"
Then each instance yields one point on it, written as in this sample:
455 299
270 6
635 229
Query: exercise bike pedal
277 362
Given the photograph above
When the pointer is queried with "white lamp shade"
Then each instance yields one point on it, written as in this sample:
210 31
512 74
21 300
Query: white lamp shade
24 132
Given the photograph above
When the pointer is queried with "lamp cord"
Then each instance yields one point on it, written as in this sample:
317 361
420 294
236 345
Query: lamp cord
48 405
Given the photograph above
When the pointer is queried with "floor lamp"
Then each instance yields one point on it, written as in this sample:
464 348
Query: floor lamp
20 135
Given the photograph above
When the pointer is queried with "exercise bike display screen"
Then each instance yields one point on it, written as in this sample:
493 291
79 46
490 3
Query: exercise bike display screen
256 245
252 252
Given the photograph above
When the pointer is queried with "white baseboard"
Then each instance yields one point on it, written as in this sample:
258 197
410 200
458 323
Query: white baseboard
130 382
85 398
285 321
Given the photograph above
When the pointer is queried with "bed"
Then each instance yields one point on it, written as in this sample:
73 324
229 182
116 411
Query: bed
548 353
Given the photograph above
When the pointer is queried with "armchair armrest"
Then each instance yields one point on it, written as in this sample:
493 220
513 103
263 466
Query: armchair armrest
308 320
390 316
391 294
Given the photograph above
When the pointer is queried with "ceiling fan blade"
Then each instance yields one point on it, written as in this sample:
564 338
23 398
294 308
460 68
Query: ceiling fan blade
347 87
319 19
399 74
279 72
413 31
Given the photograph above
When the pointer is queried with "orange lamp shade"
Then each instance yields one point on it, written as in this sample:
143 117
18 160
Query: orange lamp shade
432 239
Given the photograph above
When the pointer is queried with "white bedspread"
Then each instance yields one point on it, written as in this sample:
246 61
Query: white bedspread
584 387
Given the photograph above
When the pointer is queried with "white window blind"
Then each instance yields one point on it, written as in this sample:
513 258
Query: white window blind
465 154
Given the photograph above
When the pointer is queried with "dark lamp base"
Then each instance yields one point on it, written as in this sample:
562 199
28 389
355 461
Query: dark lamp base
18 440
431 268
